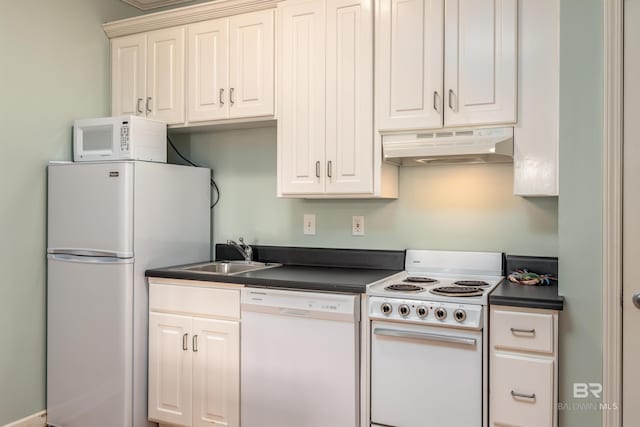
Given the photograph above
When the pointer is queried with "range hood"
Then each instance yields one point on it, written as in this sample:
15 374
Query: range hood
449 147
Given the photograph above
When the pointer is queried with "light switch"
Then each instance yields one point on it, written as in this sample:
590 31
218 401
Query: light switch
309 224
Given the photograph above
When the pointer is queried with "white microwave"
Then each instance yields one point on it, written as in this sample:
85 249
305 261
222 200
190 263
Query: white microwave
119 138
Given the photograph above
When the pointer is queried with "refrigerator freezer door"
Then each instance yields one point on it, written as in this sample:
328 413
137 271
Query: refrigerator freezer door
89 343
91 208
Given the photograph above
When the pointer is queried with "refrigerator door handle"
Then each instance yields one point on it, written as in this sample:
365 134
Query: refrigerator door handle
89 253
89 259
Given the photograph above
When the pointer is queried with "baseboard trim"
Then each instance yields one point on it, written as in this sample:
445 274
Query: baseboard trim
38 419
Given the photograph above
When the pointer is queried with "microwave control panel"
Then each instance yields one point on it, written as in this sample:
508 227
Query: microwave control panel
124 137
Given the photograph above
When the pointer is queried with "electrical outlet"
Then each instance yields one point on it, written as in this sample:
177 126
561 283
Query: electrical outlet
357 225
309 224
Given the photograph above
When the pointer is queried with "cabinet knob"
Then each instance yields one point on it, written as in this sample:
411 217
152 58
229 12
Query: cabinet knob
636 299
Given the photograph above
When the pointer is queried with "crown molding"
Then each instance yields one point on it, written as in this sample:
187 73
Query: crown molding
184 15
153 4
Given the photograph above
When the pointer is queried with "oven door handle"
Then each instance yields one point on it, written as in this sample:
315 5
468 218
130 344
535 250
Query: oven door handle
424 336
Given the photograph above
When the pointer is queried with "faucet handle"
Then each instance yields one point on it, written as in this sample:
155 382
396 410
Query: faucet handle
241 240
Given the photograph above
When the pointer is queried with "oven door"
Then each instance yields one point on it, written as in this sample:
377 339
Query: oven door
425 375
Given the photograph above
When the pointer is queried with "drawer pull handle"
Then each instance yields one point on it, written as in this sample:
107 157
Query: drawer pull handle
194 343
515 394
523 331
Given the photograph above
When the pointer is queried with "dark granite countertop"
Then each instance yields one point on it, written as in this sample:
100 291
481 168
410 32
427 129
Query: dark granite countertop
330 270
332 279
515 295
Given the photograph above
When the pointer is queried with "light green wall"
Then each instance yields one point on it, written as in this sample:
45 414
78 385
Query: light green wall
580 218
442 207
54 69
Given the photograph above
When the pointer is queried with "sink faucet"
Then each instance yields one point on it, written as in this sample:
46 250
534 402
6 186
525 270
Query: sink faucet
243 248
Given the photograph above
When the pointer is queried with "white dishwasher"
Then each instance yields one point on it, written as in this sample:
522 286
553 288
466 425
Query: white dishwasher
300 359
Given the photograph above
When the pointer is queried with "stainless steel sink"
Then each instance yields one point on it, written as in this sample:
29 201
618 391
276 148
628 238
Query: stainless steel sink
230 267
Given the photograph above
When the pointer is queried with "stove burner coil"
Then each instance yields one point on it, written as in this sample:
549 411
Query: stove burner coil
404 288
473 283
457 291
417 279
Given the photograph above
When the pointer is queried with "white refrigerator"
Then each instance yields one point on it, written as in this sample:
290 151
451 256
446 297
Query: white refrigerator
108 222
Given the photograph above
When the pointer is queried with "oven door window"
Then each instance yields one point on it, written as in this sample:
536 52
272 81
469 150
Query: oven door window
425 375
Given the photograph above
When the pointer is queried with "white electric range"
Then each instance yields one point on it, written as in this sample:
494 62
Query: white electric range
429 346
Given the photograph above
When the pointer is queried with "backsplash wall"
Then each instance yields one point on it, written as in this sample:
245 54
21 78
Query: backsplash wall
443 207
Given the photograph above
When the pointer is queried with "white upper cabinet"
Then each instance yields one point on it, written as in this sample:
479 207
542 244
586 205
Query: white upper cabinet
147 73
445 63
349 96
129 75
165 75
231 67
480 62
208 70
536 136
251 69
326 142
301 100
409 64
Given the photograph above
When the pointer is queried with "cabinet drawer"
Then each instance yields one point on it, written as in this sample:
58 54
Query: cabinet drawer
522 331
521 391
195 300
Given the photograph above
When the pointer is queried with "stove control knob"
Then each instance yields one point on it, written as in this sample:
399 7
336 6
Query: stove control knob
404 310
386 308
422 311
441 313
460 315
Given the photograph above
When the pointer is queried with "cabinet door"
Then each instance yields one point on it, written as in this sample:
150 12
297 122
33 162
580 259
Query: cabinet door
409 64
349 96
301 99
208 70
128 75
216 373
170 360
165 75
521 391
480 62
251 70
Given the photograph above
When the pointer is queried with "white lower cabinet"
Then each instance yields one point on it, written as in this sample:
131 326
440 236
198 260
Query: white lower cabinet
523 367
194 357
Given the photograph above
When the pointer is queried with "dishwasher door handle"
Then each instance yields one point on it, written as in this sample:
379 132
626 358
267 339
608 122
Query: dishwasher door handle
424 336
292 312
